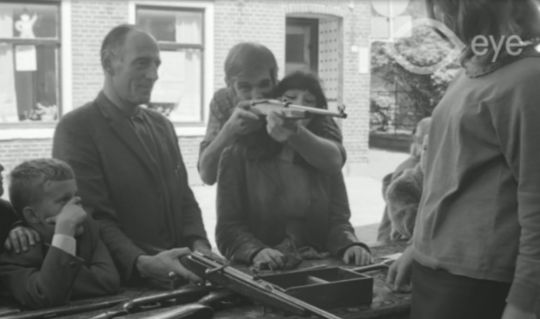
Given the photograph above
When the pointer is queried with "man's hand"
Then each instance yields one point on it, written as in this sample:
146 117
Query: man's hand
399 274
202 246
159 266
21 238
274 259
512 312
70 219
357 255
279 127
242 120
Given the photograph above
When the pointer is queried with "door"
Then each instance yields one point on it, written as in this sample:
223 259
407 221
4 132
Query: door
302 45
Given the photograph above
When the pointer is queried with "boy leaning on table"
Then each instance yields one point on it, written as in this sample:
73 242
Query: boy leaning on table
71 261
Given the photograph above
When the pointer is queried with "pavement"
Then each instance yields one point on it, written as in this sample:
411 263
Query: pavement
363 188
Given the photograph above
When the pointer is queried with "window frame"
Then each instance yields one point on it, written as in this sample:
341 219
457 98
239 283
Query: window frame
61 53
189 128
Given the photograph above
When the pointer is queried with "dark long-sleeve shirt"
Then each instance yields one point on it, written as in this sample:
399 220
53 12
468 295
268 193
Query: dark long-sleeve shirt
259 203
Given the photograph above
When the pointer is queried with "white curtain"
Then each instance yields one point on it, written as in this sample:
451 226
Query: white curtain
188 28
189 31
8 97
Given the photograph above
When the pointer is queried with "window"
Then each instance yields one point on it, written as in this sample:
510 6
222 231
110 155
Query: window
179 31
29 60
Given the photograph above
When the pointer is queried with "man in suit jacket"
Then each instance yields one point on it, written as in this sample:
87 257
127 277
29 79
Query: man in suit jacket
129 169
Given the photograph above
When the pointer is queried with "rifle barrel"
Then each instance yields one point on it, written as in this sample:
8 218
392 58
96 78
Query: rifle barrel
302 108
68 310
186 294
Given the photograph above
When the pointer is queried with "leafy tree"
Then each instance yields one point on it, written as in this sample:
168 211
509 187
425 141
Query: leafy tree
414 95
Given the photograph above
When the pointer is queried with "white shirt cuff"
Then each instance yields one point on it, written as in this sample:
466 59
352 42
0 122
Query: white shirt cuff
66 243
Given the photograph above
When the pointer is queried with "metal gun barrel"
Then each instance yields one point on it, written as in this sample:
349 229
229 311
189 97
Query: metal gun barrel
302 108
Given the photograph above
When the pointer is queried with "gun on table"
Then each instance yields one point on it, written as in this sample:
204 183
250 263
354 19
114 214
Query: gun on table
218 272
264 107
204 308
69 309
177 296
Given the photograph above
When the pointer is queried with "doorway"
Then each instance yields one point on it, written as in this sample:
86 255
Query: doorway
302 45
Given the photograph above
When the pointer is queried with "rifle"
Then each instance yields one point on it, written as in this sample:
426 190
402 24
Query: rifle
264 107
202 309
219 272
69 309
181 295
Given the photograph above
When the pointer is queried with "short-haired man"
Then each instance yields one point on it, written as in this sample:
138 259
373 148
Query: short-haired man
128 164
71 261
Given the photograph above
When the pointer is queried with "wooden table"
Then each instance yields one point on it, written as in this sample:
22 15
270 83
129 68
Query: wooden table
385 305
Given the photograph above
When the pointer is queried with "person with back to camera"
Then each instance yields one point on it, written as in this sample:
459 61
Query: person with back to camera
251 74
271 199
476 243
71 261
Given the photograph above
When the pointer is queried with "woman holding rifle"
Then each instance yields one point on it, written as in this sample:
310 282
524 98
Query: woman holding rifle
272 204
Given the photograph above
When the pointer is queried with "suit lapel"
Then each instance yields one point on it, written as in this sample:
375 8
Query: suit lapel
121 127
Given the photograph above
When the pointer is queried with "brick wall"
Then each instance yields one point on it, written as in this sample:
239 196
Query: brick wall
264 21
90 22
235 20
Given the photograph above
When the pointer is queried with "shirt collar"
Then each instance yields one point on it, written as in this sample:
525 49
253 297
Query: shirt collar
115 110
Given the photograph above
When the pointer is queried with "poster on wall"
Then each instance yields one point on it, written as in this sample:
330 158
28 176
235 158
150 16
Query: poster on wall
25 58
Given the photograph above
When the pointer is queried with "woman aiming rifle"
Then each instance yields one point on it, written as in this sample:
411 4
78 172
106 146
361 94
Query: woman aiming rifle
272 204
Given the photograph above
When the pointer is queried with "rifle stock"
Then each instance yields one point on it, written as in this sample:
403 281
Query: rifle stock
264 107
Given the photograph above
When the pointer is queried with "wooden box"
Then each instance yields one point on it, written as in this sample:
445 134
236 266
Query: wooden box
327 288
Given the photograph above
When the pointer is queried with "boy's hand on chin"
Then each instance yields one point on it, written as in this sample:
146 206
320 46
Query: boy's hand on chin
70 219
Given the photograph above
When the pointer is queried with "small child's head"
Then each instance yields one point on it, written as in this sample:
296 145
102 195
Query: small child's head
251 70
302 88
39 189
423 155
419 133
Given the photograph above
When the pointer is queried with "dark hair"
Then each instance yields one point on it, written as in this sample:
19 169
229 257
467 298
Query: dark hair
114 41
248 58
259 145
496 18
27 179
303 81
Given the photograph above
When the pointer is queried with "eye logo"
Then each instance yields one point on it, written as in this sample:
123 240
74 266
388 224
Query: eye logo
457 46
